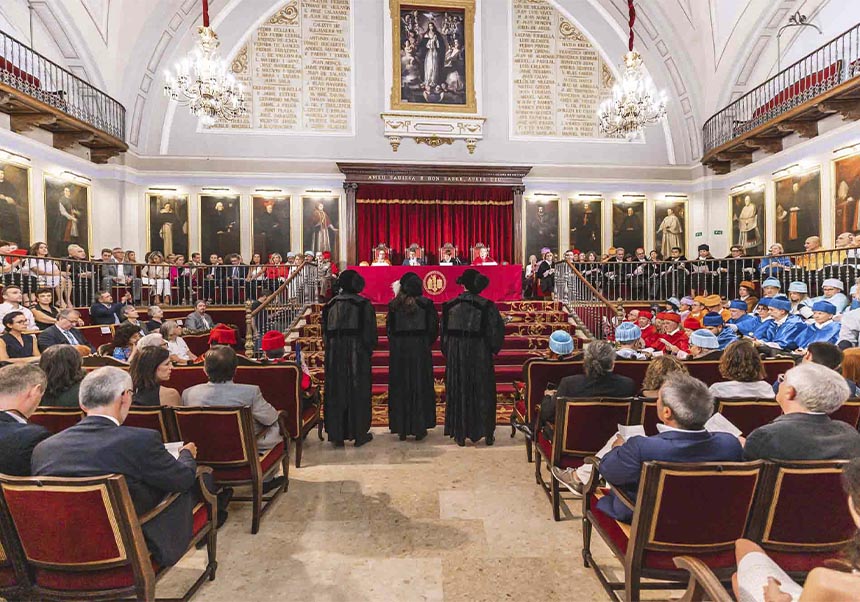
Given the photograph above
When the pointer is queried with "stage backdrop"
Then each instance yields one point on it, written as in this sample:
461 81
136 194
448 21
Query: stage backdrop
399 215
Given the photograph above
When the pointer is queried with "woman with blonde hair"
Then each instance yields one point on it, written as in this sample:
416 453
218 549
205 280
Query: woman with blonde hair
156 274
660 368
743 370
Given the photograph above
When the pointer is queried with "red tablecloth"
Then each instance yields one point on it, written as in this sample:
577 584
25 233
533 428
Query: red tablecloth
440 282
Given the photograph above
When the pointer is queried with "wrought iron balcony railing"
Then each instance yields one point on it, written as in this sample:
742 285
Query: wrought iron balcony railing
27 71
832 64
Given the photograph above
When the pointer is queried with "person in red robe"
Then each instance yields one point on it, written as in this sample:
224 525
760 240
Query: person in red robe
669 325
649 332
483 257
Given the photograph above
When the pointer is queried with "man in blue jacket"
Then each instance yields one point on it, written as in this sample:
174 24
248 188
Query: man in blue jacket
684 405
713 322
741 321
787 328
823 328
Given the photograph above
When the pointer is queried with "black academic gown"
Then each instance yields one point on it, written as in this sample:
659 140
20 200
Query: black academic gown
472 333
349 332
411 397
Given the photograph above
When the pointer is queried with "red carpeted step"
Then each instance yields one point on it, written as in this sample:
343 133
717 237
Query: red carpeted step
506 357
521 328
503 373
503 387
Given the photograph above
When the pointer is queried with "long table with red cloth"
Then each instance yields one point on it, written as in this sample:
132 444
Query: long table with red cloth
440 281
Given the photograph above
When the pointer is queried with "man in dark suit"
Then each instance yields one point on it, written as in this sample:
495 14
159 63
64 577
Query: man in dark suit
63 332
807 395
104 311
21 388
99 445
412 258
684 405
235 274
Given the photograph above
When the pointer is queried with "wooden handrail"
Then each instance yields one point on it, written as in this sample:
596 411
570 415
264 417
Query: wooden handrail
609 304
251 314
277 291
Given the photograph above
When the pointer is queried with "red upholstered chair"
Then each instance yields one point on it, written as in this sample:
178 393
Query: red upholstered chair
674 503
80 538
703 584
802 518
156 418
849 412
380 247
582 428
537 374
748 414
226 441
56 419
648 416
97 335
13 578
773 368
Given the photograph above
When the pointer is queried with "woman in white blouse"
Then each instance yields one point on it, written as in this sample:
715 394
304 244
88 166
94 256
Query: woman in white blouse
156 274
49 273
741 366
178 348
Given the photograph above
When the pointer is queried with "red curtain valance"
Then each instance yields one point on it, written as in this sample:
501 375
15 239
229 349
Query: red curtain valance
399 215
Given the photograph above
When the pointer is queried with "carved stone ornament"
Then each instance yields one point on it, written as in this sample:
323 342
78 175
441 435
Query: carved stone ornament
240 63
434 130
567 30
289 15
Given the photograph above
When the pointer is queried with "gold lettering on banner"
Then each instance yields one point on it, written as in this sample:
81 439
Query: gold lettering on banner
435 282
559 79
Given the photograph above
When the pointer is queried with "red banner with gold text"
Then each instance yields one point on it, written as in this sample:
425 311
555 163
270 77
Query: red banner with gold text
440 282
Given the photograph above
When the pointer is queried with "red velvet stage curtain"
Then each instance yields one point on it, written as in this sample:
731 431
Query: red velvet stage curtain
400 214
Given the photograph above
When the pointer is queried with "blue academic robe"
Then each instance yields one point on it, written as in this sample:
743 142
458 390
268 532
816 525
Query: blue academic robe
764 330
746 324
829 333
785 336
725 337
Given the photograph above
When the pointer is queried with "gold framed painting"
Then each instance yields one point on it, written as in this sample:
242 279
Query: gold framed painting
671 225
16 210
433 56
846 182
798 209
541 225
628 223
67 215
220 225
167 223
586 225
321 225
270 225
748 218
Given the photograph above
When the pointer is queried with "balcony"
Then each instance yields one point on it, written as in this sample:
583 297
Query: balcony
821 84
38 93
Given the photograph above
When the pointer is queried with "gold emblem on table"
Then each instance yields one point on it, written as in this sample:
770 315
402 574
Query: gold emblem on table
435 282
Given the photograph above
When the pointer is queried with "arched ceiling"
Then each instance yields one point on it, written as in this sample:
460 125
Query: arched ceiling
704 52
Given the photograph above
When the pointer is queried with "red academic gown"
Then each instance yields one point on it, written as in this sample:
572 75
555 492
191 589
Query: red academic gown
650 336
677 338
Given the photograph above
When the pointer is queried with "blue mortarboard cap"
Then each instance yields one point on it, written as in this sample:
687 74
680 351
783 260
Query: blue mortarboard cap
798 287
781 303
772 282
560 342
825 306
738 304
705 339
712 319
626 332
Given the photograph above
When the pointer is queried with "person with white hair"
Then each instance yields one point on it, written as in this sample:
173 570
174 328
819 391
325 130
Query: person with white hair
807 394
99 445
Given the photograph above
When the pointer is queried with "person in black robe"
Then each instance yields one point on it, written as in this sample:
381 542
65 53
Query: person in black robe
349 333
472 333
412 328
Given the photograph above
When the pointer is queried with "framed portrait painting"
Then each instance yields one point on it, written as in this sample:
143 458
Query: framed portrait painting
586 225
846 179
321 225
67 215
628 224
220 225
271 225
433 56
798 210
15 204
541 225
670 226
167 224
748 220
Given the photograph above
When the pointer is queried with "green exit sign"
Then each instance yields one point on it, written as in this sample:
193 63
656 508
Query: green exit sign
698 234
718 232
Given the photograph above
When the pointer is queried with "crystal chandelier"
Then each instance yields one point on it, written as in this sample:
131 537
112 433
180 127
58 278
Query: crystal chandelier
203 82
635 103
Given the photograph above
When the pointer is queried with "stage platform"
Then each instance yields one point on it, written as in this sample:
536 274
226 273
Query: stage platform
440 282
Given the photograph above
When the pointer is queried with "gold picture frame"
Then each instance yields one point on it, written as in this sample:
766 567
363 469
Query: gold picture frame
232 242
331 207
6 233
260 199
60 183
736 204
671 203
797 198
844 170
600 245
629 229
539 213
456 8
160 197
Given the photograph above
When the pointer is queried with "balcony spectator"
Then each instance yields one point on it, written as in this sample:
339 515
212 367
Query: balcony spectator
181 276
807 394
117 270
156 318
256 277
63 332
774 264
156 275
12 299
16 346
49 274
81 275
104 311
743 371
813 259
64 367
176 345
150 367
199 320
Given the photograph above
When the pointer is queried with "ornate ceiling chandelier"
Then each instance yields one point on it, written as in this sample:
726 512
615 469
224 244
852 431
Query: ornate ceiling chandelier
635 102
203 82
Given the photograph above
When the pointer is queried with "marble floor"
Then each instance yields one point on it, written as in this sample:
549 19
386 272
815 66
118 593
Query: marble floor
403 521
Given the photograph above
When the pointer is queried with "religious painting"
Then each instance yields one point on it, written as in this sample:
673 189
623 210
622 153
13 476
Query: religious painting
586 225
67 216
628 224
541 226
748 221
15 204
798 210
220 225
846 179
167 216
271 225
670 226
433 55
321 225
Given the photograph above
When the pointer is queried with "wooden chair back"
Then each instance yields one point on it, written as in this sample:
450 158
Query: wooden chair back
56 419
158 419
748 414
